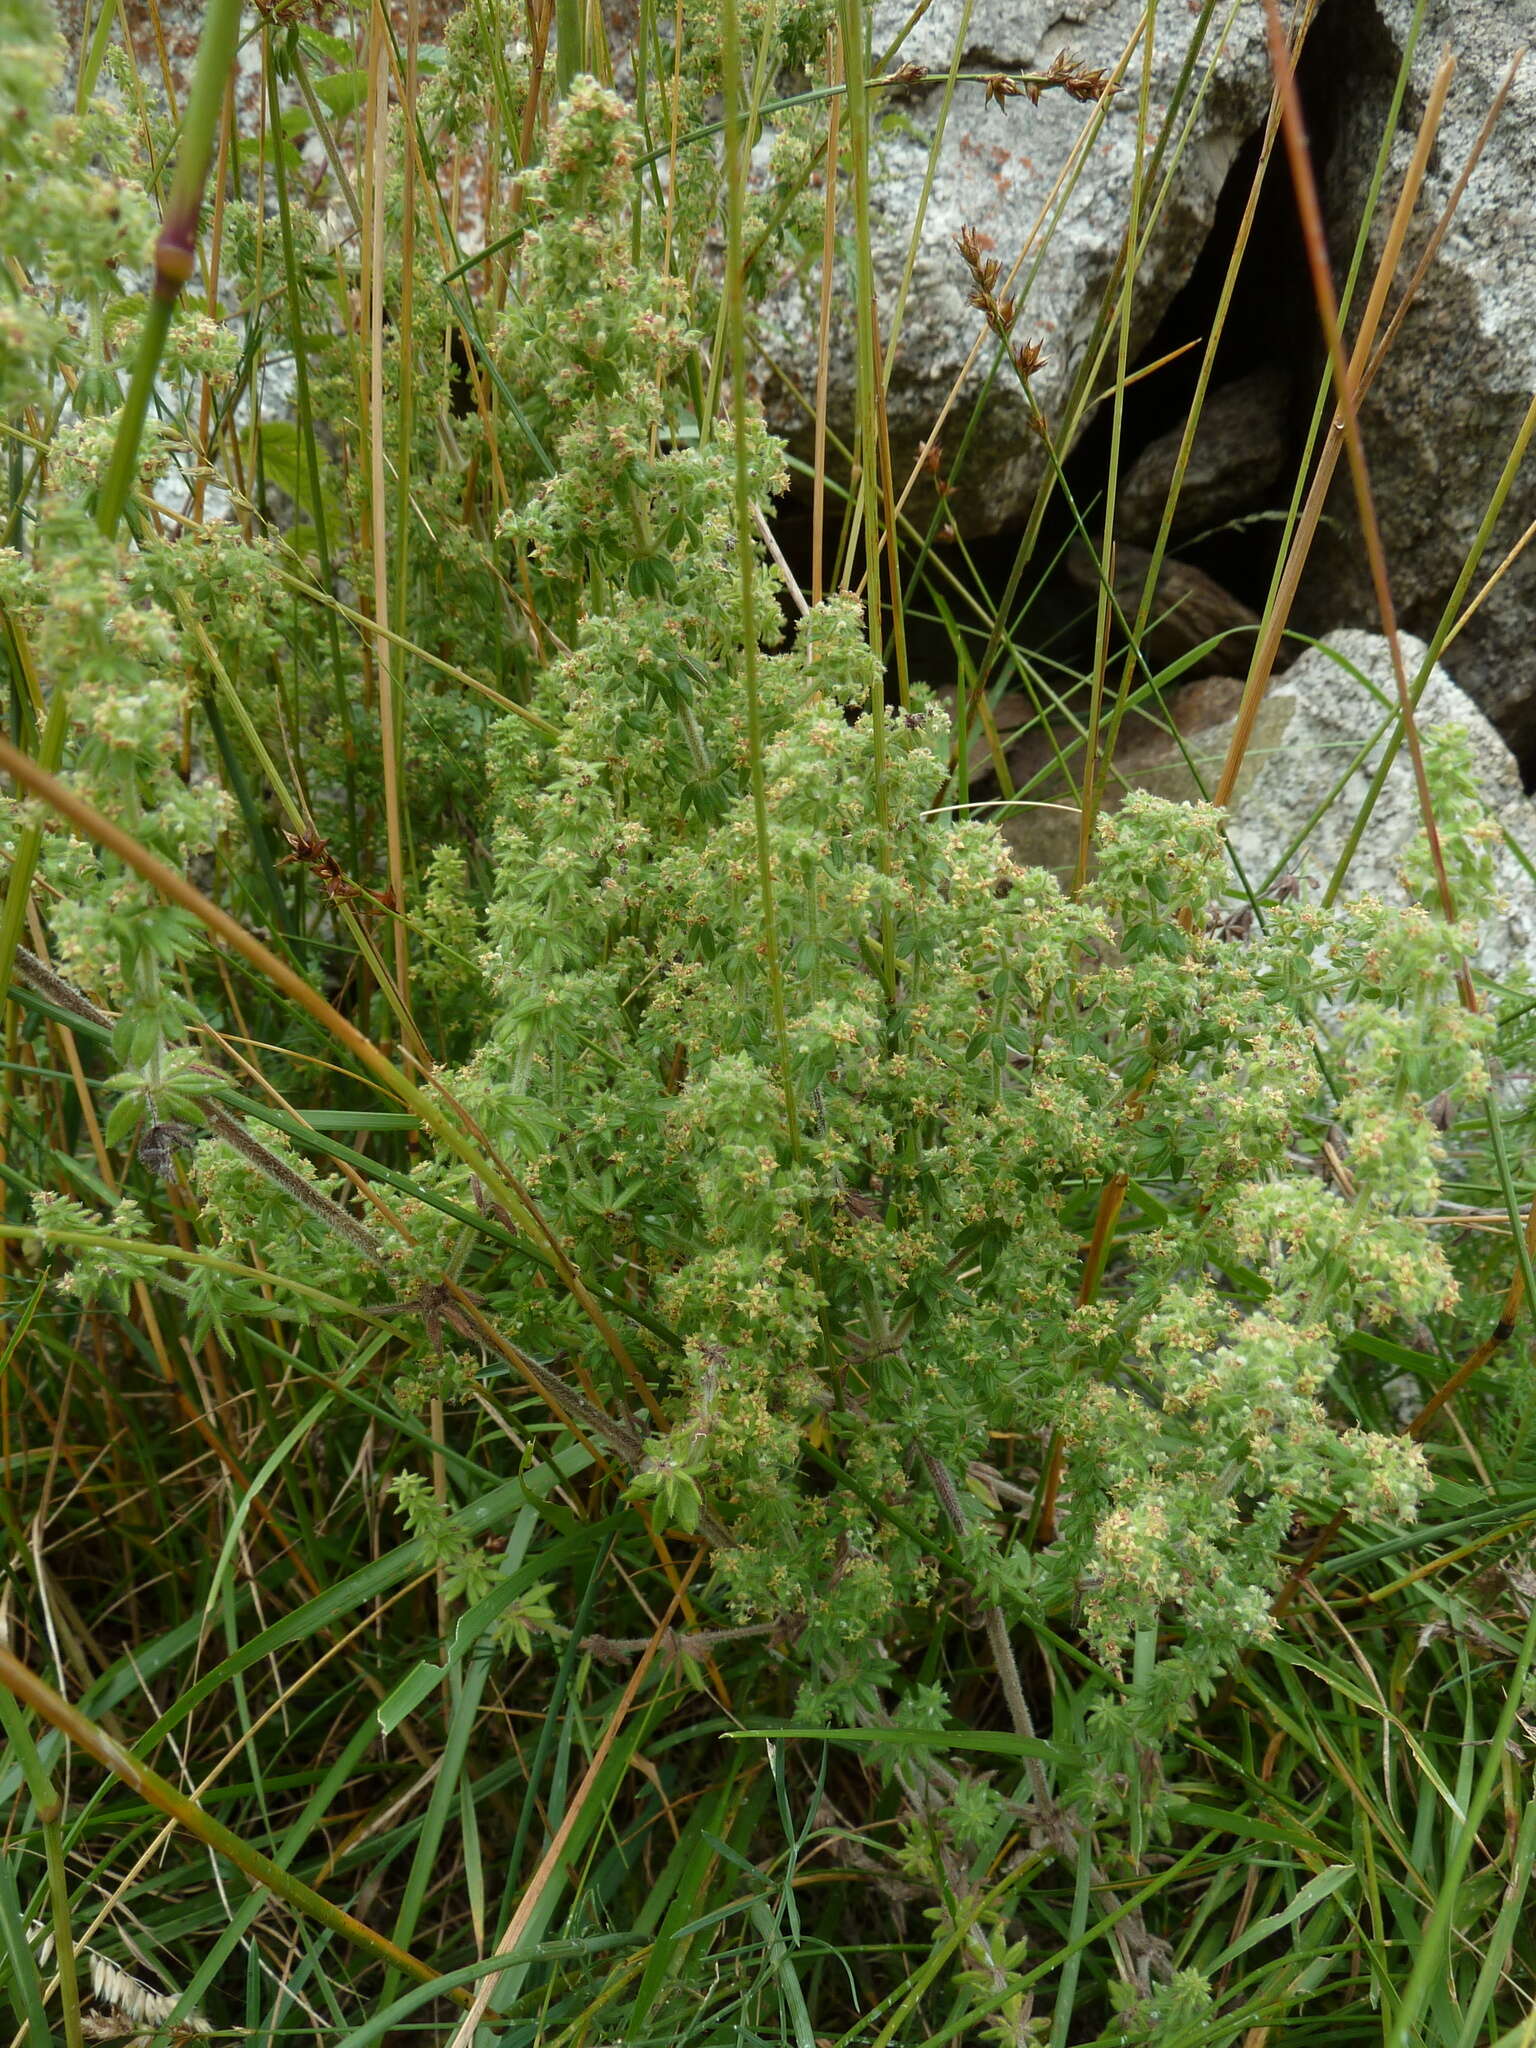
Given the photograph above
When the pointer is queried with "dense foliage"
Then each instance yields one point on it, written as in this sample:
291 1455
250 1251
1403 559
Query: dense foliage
664 1179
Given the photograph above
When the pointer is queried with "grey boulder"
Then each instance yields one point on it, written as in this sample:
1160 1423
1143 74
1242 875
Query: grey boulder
1314 767
996 172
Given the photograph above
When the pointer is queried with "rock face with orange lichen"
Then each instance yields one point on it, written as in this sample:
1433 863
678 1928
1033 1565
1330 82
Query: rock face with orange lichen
1046 188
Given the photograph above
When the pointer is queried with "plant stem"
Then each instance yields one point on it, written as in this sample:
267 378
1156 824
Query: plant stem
851 21
49 1807
175 250
746 546
568 44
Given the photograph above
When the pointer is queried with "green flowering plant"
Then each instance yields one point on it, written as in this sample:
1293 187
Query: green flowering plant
909 1243
859 1200
469 1572
859 1209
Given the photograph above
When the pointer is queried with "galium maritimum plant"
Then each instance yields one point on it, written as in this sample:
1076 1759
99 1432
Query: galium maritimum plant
810 1156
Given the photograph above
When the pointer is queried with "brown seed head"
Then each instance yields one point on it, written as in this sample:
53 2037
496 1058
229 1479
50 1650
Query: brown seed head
310 851
985 269
1090 85
1028 357
1067 75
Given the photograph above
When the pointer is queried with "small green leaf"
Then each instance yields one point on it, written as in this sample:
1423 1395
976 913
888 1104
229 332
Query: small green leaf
342 91
122 1122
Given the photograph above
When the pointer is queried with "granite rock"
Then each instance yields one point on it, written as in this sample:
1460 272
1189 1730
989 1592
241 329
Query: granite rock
1326 720
1239 453
1441 418
996 170
1045 761
1304 778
